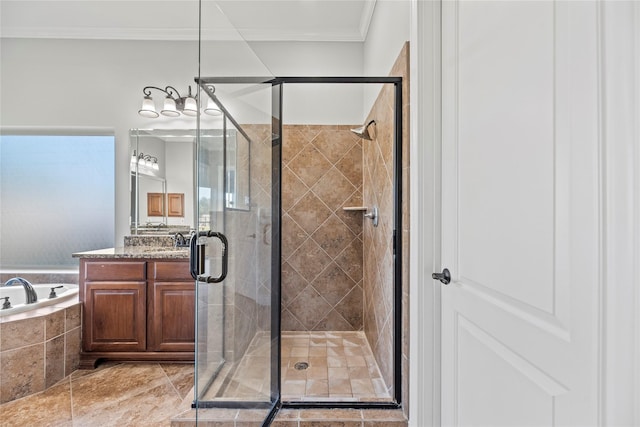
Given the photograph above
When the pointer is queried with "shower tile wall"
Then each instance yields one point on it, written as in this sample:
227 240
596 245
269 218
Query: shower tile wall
321 243
304 301
378 255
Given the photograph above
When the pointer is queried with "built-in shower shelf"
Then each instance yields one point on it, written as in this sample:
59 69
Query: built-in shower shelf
354 208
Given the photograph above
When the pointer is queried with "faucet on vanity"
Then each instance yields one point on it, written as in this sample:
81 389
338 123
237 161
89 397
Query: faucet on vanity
30 293
181 241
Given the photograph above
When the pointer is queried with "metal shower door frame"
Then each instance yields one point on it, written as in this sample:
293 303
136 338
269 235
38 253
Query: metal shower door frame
277 102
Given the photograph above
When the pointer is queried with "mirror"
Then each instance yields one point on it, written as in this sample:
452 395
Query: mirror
162 171
163 176
237 178
223 176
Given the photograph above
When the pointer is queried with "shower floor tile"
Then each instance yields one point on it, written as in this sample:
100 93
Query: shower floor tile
340 367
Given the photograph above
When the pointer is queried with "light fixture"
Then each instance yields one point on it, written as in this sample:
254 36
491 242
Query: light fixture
190 106
169 109
144 162
174 104
148 109
212 108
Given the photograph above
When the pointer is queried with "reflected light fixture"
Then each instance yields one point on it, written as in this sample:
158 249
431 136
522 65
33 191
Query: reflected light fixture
174 104
144 161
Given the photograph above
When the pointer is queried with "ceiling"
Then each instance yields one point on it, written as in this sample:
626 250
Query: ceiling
251 20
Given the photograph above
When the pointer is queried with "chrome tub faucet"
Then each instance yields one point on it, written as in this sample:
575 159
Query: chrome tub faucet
30 293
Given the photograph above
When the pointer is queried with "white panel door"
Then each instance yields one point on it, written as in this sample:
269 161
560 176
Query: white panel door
520 213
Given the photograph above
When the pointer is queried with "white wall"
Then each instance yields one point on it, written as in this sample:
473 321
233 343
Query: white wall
389 30
180 176
85 84
98 84
321 103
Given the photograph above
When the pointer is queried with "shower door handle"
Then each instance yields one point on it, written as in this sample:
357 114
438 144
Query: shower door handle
225 262
196 257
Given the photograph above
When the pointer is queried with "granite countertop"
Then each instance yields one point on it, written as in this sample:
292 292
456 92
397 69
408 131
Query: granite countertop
149 252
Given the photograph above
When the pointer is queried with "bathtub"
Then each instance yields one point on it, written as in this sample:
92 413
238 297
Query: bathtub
66 294
41 341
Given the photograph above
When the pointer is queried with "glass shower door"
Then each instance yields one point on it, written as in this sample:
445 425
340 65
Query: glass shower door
235 257
206 260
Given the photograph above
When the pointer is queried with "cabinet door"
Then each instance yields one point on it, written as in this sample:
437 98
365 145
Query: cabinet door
172 316
155 204
115 316
175 204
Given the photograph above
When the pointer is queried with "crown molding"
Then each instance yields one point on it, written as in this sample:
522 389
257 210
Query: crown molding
181 34
365 19
95 33
283 34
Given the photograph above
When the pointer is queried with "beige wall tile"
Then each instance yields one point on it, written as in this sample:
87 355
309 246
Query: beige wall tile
22 372
21 333
309 165
309 307
73 317
54 324
54 360
309 260
327 159
333 236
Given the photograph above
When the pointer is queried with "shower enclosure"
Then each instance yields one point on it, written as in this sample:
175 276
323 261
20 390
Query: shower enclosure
234 258
249 347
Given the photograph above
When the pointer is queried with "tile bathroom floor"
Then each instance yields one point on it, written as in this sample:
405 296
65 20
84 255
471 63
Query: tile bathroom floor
115 394
341 367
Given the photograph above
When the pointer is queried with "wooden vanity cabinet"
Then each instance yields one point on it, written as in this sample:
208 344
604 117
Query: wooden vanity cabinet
136 310
115 300
171 307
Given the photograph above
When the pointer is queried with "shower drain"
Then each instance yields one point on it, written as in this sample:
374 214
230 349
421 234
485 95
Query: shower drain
301 366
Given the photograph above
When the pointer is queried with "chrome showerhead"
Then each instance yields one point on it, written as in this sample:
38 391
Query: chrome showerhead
363 131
